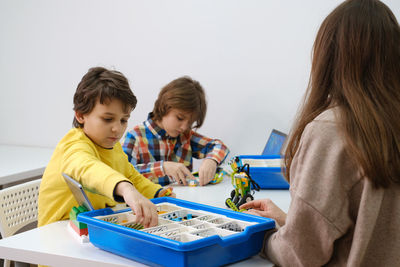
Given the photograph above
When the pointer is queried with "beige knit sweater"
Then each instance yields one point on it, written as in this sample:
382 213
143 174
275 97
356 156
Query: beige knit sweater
336 217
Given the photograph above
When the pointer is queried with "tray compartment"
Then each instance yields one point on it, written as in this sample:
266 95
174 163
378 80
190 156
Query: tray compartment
191 222
157 230
173 232
181 215
203 225
235 226
212 231
165 208
219 220
206 217
162 221
119 218
185 237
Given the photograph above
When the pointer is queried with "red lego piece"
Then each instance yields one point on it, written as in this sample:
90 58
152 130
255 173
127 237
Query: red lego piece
77 230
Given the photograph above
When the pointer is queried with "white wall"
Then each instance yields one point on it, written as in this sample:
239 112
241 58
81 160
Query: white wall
251 56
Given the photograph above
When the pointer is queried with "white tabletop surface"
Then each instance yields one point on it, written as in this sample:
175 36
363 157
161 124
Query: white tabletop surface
55 245
215 195
22 162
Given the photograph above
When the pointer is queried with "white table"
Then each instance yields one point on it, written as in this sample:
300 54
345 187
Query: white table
55 245
215 195
18 163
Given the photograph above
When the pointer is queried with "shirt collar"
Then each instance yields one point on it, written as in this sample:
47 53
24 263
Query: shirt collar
160 133
154 128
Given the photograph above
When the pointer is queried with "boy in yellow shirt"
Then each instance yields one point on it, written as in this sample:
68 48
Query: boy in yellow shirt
91 154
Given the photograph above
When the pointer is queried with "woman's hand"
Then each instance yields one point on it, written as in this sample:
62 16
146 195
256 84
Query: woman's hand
265 208
144 209
207 171
177 171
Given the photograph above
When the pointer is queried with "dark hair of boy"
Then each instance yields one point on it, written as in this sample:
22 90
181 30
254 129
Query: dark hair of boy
104 85
356 66
184 94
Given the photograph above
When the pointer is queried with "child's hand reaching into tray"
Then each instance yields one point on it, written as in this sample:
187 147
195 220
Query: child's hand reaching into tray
144 209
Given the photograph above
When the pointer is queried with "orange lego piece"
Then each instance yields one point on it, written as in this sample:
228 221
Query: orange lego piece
167 192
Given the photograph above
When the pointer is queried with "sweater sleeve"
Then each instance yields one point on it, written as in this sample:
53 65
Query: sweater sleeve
204 147
319 211
81 162
142 184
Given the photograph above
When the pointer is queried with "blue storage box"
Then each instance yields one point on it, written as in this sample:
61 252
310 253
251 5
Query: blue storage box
188 234
266 177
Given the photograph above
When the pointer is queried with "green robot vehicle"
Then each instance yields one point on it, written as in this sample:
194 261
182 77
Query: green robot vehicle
242 183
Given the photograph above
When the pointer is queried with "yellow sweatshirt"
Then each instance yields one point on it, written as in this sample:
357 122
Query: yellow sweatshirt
98 169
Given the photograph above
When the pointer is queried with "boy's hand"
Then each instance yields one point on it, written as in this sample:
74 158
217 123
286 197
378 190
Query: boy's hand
265 208
144 209
207 171
167 192
177 171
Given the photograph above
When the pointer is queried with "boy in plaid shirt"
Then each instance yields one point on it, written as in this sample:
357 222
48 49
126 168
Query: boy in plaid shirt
162 147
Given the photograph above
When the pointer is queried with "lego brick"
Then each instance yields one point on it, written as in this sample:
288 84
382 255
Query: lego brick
77 230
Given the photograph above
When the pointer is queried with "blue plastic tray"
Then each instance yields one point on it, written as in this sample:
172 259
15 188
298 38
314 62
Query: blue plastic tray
156 250
266 177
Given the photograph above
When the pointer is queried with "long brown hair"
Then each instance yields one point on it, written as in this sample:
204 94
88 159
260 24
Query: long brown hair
356 66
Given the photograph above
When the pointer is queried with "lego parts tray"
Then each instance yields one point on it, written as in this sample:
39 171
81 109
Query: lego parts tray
265 170
188 234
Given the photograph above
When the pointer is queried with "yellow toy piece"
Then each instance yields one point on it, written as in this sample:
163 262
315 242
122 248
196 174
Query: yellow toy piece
233 206
165 193
242 183
219 177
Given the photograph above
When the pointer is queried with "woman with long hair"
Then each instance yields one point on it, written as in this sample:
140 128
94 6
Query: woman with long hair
343 155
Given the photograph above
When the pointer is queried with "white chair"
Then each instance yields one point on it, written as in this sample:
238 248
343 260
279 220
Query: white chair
18 208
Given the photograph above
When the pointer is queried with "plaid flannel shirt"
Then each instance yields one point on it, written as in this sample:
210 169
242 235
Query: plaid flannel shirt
148 146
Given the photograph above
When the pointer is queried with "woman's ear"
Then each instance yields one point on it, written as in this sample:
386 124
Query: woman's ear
79 117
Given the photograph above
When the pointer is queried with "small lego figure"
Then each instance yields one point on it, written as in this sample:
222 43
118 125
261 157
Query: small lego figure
242 183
